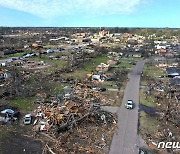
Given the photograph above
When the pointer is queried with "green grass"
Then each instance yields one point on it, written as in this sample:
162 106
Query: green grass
91 65
18 54
59 63
50 46
56 64
124 63
148 124
149 101
45 59
13 55
152 70
108 84
25 104
144 82
149 71
88 67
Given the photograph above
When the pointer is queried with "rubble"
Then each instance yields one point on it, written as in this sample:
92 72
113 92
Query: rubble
35 65
112 62
71 121
103 67
167 104
8 115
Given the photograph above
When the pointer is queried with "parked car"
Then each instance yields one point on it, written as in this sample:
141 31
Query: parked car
27 119
22 58
130 104
27 55
13 58
33 55
8 111
50 51
9 114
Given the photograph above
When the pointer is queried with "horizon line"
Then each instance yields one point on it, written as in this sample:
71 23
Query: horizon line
89 27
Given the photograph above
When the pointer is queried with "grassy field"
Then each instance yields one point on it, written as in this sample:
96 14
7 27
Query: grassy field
148 124
144 82
18 54
14 55
56 64
91 65
152 70
88 67
25 104
108 84
51 46
147 100
125 63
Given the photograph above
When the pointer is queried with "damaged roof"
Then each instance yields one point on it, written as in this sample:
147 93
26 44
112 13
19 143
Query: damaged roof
174 81
173 71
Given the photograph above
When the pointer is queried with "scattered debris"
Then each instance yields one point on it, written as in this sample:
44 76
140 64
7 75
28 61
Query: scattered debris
75 114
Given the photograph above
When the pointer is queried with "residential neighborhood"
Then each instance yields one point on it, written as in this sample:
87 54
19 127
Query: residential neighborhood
65 90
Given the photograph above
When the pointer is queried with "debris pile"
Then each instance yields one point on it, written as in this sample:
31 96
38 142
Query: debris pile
8 115
103 67
76 124
167 104
35 65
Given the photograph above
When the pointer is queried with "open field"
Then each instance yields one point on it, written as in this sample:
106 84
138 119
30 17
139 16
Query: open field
55 64
148 123
26 104
127 63
88 67
153 71
147 100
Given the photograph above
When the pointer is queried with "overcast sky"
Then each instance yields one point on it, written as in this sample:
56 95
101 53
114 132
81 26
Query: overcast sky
96 13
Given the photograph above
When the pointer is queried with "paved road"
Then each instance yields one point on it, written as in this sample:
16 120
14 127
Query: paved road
126 139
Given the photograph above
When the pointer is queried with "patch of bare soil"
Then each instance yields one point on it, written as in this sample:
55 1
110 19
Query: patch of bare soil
15 143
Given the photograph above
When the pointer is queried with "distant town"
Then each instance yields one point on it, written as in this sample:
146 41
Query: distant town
95 90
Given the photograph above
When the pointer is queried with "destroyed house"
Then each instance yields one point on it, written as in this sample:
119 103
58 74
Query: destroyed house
2 74
133 54
172 71
177 97
174 81
7 52
102 67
